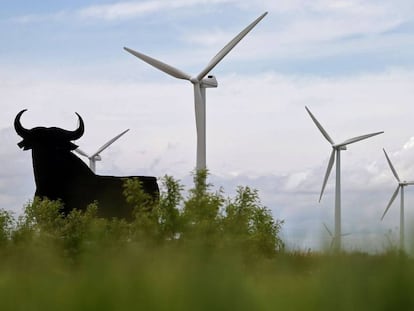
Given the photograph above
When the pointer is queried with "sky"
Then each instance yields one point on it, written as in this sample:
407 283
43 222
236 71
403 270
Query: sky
350 62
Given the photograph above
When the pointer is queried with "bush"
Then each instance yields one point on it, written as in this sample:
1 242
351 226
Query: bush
250 224
204 219
6 227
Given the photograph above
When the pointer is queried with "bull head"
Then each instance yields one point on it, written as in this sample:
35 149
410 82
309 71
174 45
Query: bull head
51 137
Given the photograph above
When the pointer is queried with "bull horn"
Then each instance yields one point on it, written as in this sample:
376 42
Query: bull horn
76 134
20 130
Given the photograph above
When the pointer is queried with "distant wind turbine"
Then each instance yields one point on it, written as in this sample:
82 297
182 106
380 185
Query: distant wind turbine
336 150
200 83
401 185
96 155
331 245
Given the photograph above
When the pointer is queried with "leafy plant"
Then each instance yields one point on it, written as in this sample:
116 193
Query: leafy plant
7 224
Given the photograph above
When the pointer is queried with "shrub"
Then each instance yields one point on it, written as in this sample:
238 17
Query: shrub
7 224
205 218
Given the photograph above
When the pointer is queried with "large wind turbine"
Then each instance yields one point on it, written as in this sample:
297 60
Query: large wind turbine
401 185
336 150
200 83
95 156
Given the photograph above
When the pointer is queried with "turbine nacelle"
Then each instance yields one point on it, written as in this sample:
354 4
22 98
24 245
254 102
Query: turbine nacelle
209 82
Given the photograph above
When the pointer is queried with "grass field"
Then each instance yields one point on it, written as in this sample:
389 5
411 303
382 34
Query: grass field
210 253
141 278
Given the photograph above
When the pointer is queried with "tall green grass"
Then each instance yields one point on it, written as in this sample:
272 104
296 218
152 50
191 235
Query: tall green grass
202 252
167 278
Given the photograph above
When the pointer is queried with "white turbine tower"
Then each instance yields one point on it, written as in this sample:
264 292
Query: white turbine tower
336 150
400 187
200 83
96 155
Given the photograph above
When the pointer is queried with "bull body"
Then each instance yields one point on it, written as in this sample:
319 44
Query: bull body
60 175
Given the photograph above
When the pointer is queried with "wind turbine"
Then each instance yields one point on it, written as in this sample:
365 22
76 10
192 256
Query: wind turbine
332 236
401 185
96 155
200 83
336 150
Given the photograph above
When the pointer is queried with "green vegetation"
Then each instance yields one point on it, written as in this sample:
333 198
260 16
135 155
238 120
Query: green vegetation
201 252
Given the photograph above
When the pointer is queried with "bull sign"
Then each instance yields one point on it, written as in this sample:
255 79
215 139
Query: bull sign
60 175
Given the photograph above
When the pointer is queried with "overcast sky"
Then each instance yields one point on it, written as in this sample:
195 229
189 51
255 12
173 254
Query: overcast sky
350 62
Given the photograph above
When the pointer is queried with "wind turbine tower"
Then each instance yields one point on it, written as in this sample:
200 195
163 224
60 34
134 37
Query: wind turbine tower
401 185
96 155
336 155
200 82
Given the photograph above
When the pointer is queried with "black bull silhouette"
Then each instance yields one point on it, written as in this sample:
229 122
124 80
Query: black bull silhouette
61 175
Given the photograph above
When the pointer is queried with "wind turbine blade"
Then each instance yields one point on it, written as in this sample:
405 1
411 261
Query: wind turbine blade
392 200
409 183
324 133
224 51
81 152
327 229
160 65
107 144
358 138
391 166
328 172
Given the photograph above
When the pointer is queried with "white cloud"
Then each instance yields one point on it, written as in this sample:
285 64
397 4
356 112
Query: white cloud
293 29
409 144
130 9
308 30
122 10
267 109
257 126
258 132
36 18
